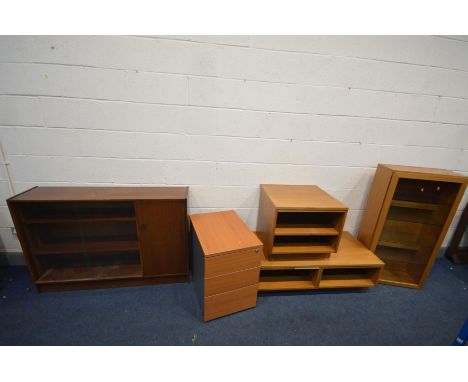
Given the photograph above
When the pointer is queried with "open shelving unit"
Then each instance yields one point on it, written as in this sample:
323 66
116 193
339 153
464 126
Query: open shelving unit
301 228
299 221
81 240
225 263
81 237
352 266
408 212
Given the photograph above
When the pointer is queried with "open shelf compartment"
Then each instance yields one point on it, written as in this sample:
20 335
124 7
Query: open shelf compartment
309 219
307 233
402 265
349 277
289 279
78 236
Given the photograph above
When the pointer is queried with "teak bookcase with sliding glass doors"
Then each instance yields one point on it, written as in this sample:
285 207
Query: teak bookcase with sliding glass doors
408 213
95 237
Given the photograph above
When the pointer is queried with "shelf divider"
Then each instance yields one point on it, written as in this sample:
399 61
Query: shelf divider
306 231
301 249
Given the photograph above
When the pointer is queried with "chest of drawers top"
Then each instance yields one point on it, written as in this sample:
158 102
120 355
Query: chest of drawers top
222 233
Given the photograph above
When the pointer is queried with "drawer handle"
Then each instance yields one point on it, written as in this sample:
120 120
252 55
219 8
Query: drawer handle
305 268
256 251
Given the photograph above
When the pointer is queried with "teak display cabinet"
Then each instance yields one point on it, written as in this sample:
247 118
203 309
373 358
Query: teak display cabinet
95 237
353 266
226 263
408 213
299 221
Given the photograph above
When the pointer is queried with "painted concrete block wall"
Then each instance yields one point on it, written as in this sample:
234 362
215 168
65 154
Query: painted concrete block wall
223 114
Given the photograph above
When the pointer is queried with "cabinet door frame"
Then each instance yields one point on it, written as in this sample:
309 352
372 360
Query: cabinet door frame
384 211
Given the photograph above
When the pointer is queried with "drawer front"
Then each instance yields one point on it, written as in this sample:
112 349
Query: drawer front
230 302
232 262
231 281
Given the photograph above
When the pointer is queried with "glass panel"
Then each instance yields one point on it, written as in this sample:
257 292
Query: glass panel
414 222
82 241
309 219
77 210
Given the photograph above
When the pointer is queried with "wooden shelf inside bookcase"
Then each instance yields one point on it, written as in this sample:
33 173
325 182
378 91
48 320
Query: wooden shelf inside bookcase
305 231
360 269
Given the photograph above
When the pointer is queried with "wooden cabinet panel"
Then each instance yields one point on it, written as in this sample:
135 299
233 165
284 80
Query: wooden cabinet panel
162 227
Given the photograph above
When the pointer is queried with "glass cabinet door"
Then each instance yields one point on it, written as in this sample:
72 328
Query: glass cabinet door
414 222
82 240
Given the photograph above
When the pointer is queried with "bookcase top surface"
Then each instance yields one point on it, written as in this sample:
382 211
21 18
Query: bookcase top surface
301 197
426 171
351 253
223 232
63 194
